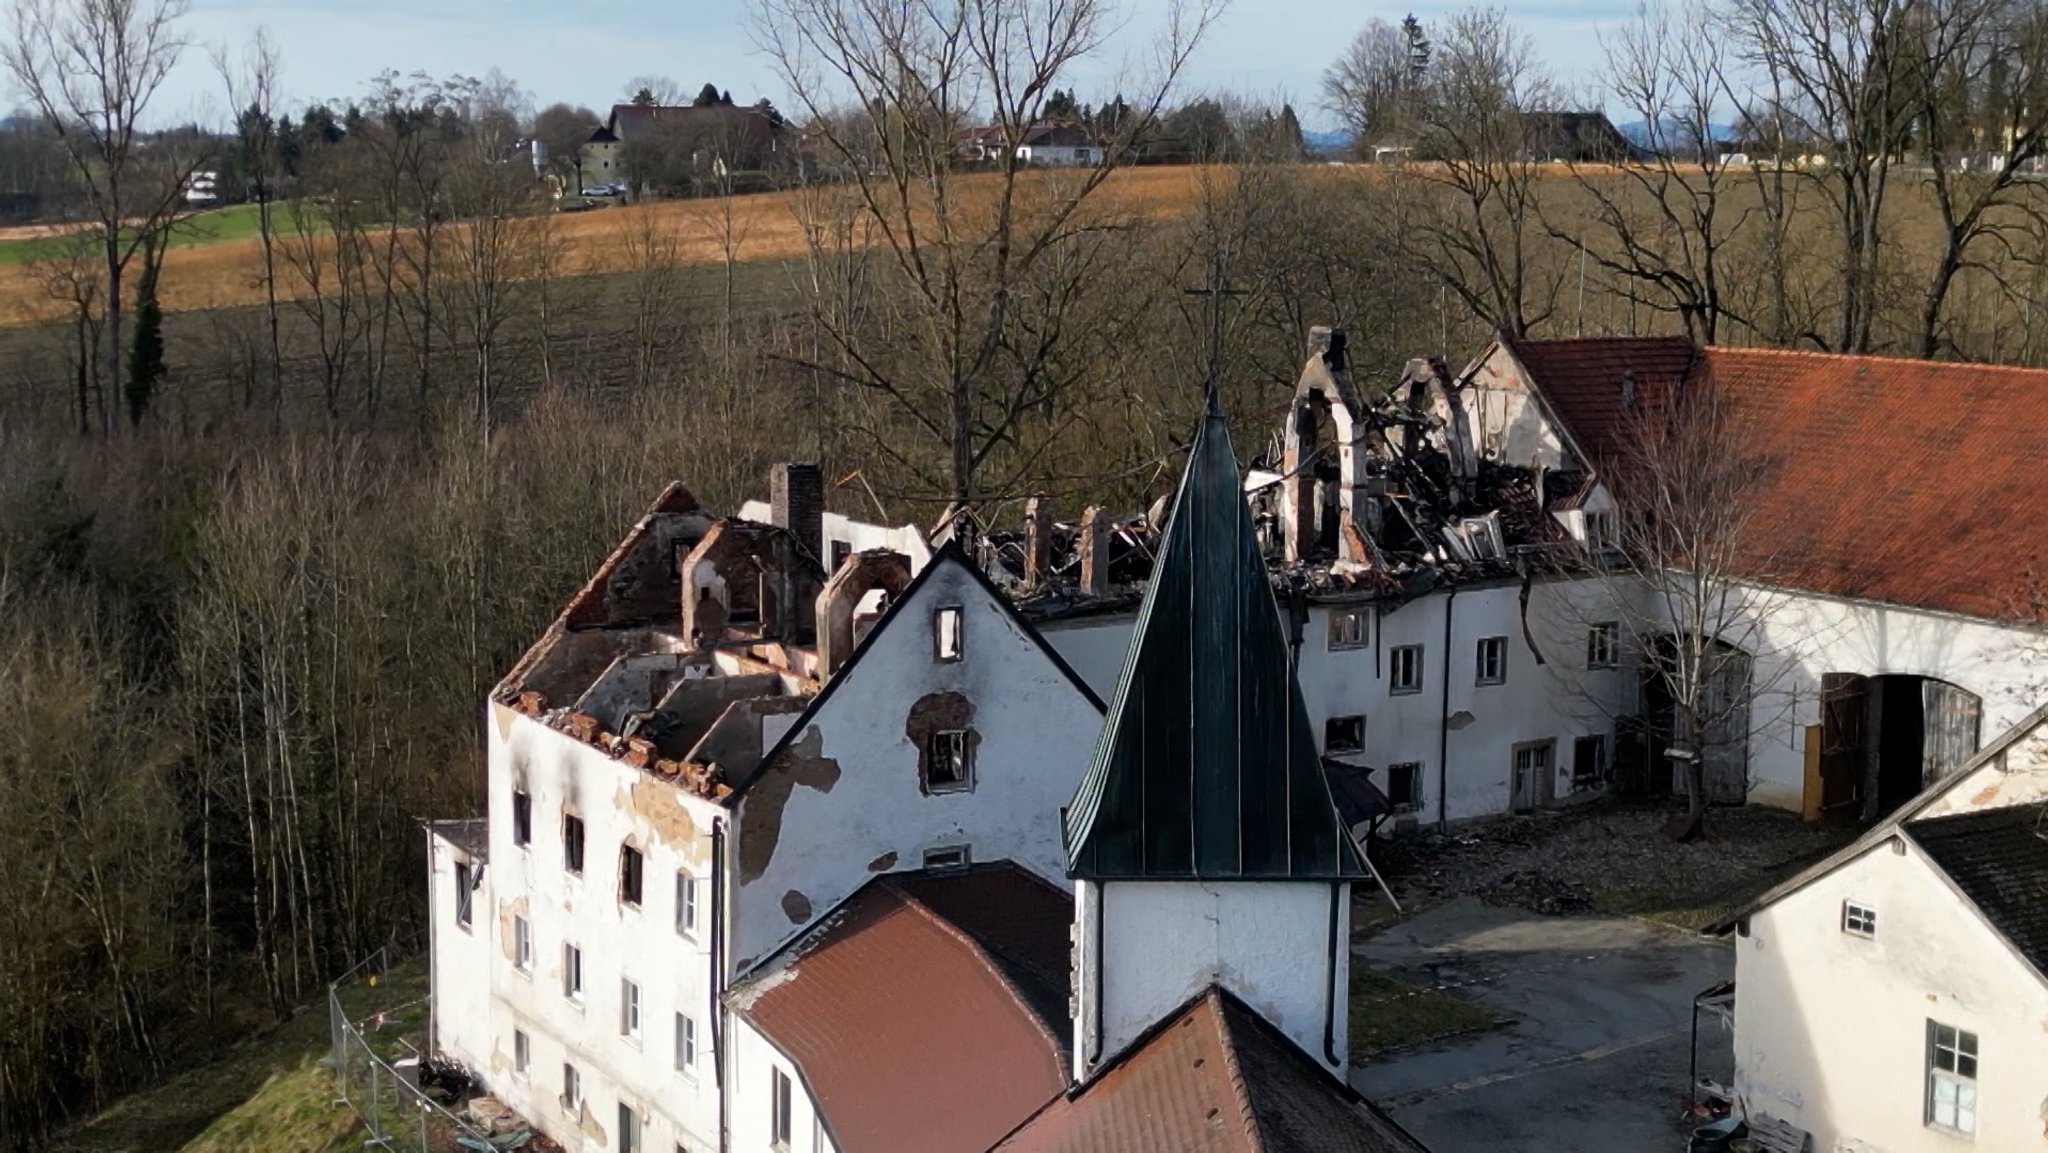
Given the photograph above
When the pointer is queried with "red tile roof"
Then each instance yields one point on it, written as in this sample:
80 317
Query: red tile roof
1918 483
1213 1078
891 988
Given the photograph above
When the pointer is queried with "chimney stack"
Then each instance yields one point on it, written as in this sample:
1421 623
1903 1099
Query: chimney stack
796 496
1094 553
1037 541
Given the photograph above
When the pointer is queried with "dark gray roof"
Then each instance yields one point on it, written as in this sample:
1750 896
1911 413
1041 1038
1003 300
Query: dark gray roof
1999 859
1207 766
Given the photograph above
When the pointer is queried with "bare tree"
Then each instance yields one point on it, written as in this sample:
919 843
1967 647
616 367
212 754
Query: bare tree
1373 87
252 97
90 69
981 276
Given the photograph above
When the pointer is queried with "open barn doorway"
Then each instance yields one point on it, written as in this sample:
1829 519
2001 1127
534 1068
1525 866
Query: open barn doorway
1887 737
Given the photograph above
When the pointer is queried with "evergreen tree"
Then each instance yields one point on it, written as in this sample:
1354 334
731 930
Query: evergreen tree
706 96
146 353
644 98
725 98
1060 105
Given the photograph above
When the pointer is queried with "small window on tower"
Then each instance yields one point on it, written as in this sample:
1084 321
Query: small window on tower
946 633
949 762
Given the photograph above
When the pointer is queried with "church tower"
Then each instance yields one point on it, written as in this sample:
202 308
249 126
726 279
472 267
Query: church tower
1203 843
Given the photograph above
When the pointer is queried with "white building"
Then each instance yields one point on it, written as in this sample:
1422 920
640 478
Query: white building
1895 996
765 850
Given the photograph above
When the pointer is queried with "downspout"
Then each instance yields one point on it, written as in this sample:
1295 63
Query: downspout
717 1018
1336 996
1443 724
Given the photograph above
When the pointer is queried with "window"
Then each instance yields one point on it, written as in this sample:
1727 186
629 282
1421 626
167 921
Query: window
779 1100
572 843
522 1053
1859 920
1405 669
686 904
948 762
686 1043
1492 663
629 1009
840 551
572 972
946 633
1601 534
522 944
1589 761
1347 628
522 819
572 1089
629 875
1951 1078
1404 786
1344 734
946 857
1600 646
629 1129
464 886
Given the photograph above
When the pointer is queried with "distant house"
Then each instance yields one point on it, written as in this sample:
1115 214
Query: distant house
1895 995
1054 143
672 144
1575 137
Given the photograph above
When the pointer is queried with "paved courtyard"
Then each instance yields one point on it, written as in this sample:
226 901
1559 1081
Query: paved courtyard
1596 1056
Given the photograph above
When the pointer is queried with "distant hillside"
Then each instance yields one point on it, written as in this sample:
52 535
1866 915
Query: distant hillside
1333 143
1672 134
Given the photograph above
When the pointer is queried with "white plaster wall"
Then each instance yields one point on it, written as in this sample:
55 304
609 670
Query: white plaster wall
835 825
754 1061
1507 424
672 829
859 536
461 1007
1094 646
1830 1029
1163 942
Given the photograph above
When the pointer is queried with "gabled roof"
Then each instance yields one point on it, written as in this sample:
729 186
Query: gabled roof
916 1011
1206 767
948 554
1579 381
1999 859
1213 1078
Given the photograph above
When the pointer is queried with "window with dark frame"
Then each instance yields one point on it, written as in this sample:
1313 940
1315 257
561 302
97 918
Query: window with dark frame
465 885
1348 628
1404 786
1404 669
631 867
780 1109
572 843
1344 734
948 762
1601 643
947 857
946 637
1492 661
1951 1078
522 819
1859 920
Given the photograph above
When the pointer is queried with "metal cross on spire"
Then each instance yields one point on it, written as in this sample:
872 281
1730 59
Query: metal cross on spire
1215 290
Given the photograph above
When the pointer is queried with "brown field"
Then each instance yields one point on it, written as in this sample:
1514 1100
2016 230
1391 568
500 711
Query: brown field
228 274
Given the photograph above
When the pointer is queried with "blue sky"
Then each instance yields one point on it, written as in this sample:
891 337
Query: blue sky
584 51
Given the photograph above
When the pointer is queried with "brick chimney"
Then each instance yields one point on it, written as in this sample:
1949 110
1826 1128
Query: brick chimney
1037 541
1094 553
796 498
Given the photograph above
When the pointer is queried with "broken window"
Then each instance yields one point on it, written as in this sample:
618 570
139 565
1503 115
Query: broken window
780 1109
522 944
948 762
1601 645
1404 786
686 1043
522 1053
686 904
946 857
946 633
630 866
1344 734
1589 760
1492 661
464 886
629 1009
1859 920
1348 628
1404 669
522 819
572 843
1951 1078
572 1089
572 973
840 551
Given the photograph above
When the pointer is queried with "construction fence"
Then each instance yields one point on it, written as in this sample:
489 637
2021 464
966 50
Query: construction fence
379 1068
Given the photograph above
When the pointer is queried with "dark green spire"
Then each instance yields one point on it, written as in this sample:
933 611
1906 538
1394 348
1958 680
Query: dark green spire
1207 767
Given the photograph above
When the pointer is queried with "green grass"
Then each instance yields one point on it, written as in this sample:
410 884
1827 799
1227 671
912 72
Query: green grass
217 226
1388 1013
266 1091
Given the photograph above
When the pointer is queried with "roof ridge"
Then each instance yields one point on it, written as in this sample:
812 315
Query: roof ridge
1226 1042
1764 351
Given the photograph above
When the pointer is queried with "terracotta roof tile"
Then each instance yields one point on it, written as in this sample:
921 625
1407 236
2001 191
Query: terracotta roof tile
888 989
1912 482
1213 1078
